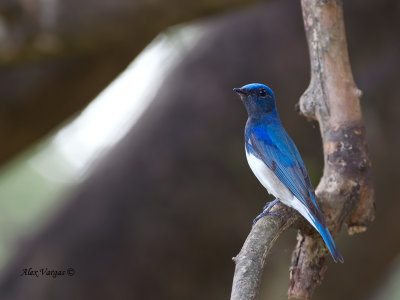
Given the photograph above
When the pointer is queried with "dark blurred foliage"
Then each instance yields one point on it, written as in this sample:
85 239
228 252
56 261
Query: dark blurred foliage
164 212
56 55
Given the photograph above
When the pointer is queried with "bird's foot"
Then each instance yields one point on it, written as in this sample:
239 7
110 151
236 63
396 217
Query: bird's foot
266 210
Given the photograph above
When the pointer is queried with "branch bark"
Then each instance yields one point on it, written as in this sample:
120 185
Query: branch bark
250 261
345 192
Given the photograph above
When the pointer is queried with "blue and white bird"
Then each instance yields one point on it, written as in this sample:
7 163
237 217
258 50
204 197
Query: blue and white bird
276 162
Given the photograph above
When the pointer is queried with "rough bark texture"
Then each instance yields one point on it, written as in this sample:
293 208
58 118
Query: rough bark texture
251 259
345 191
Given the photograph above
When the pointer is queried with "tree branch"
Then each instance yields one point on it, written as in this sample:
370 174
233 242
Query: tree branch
250 261
345 192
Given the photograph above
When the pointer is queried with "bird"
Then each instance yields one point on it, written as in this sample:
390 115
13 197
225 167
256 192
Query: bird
275 161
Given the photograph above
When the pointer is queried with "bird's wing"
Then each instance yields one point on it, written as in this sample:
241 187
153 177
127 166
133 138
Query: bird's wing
279 153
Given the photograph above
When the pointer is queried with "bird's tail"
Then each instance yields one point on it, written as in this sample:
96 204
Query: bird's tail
326 236
316 219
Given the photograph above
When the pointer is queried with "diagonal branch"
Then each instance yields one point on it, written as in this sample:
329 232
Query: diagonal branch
345 191
250 261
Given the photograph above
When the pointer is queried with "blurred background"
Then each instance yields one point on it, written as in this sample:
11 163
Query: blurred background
122 151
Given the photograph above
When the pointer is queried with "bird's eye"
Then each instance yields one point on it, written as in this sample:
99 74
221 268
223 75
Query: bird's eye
262 93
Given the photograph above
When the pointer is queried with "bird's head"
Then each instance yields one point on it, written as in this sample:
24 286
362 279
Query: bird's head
257 98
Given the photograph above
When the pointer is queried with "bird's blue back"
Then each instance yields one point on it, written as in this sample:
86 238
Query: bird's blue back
268 140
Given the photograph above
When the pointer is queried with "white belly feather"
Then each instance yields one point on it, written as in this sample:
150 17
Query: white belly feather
275 187
268 179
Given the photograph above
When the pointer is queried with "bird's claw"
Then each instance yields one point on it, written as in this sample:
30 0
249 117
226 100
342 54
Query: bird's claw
266 211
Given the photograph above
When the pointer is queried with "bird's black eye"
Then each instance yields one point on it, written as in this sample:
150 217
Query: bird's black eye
262 93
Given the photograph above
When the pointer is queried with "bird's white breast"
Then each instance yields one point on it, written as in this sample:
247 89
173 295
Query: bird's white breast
275 186
268 179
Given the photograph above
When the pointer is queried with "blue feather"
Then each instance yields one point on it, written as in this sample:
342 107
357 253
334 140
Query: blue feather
326 236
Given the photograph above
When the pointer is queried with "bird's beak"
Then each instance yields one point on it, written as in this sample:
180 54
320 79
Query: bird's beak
241 91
